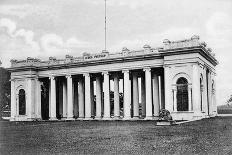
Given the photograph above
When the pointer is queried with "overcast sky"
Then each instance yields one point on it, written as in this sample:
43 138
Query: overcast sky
43 28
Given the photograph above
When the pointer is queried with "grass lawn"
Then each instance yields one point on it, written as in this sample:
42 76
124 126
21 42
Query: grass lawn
212 136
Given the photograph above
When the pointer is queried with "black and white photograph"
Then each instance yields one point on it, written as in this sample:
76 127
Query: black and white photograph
115 77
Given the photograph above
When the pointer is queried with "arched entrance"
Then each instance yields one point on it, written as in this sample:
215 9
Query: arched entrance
22 102
182 94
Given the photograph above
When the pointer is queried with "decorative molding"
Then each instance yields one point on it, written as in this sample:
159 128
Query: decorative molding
179 75
145 69
68 76
125 71
86 74
52 77
105 72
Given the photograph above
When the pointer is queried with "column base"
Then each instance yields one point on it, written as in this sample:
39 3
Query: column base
53 119
12 119
38 119
70 119
98 118
135 118
117 118
88 118
155 117
197 115
126 118
30 119
64 118
106 118
80 118
148 118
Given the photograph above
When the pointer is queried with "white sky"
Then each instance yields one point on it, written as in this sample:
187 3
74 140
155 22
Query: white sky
43 28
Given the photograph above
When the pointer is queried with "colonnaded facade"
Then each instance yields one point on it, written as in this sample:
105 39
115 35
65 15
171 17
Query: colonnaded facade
179 77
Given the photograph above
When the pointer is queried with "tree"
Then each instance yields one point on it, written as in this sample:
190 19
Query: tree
229 100
4 90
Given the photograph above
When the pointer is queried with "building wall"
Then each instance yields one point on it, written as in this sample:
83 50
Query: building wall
191 66
183 66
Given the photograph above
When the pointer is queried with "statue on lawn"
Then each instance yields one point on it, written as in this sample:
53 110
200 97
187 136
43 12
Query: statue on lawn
165 115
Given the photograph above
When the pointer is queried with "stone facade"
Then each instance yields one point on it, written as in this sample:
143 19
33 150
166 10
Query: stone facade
179 77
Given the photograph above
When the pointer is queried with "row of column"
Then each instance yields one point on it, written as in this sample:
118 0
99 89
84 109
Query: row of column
149 95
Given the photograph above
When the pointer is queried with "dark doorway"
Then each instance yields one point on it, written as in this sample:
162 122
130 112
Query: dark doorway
45 99
182 94
22 102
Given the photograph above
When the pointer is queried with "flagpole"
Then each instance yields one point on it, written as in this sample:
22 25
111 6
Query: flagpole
105 25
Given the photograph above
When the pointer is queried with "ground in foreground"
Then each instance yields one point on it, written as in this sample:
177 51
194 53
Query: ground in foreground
212 136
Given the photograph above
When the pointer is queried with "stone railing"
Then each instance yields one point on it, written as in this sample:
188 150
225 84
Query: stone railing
168 45
187 43
193 42
85 58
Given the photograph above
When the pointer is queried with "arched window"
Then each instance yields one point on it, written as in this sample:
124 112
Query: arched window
182 94
22 102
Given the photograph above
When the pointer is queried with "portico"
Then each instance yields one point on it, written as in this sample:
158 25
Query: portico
129 85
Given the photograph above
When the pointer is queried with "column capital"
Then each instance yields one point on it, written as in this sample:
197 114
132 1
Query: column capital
196 64
147 69
125 71
105 72
174 89
167 66
37 77
86 74
68 76
52 77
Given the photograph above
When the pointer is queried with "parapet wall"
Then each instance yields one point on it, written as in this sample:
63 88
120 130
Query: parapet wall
167 47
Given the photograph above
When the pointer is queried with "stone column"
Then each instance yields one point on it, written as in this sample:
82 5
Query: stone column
127 95
92 97
98 97
167 83
135 96
143 96
38 99
209 93
81 98
214 97
69 97
156 99
116 97
13 101
49 97
190 98
148 93
205 100
52 98
196 91
174 90
106 90
29 99
87 97
64 86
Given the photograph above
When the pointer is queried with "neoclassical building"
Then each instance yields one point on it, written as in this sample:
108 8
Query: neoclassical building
179 77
